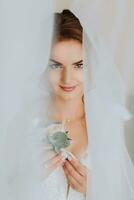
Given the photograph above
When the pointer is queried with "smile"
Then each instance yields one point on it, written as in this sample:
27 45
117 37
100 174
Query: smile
68 89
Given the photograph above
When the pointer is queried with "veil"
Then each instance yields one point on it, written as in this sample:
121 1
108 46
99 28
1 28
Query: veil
112 171
26 49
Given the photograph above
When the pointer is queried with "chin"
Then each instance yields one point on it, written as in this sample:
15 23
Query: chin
70 97
66 98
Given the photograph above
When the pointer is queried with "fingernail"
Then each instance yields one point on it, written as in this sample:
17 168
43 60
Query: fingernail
69 158
64 155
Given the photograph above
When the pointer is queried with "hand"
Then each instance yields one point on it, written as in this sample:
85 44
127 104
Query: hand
76 174
52 164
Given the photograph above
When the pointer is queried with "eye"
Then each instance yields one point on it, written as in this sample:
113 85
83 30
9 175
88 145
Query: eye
79 66
55 66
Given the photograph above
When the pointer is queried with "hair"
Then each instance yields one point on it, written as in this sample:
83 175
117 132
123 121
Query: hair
66 27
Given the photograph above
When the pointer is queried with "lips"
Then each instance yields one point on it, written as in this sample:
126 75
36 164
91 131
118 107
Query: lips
67 88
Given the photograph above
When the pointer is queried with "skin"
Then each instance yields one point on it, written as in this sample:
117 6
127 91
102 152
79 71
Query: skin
66 73
66 69
76 174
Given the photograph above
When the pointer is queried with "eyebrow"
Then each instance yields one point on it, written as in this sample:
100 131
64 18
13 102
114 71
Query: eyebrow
78 62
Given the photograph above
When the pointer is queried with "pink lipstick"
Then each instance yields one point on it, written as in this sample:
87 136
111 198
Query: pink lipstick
68 89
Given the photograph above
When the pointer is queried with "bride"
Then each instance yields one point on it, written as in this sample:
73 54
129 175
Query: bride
65 79
69 177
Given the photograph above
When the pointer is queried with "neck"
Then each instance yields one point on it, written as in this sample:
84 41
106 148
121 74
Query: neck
66 109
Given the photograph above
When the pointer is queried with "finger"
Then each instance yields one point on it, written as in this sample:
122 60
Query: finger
69 169
73 182
55 159
81 169
54 162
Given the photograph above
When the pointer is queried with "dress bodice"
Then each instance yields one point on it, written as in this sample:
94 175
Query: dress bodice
57 186
72 194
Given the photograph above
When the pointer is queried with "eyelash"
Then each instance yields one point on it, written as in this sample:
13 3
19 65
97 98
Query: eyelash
55 66
79 66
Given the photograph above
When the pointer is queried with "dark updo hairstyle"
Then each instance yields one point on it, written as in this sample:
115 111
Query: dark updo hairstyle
67 26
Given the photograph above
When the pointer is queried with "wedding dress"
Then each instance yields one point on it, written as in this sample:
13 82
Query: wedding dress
30 182
56 185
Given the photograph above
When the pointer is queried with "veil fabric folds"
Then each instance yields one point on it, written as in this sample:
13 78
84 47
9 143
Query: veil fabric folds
112 172
26 44
111 177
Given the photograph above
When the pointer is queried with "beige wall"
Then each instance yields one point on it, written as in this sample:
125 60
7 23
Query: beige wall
61 4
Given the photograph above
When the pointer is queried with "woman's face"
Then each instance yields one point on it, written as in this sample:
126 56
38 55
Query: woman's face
66 69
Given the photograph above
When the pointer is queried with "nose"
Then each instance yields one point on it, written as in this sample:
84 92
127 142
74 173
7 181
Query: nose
67 75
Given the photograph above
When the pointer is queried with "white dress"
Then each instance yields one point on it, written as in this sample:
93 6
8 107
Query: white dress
56 185
25 183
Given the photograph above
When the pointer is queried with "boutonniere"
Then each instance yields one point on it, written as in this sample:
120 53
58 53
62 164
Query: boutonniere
58 137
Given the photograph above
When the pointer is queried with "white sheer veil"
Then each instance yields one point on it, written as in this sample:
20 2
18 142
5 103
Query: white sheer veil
111 174
26 47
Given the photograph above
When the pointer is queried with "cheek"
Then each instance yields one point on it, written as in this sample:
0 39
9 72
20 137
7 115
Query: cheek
80 77
54 78
80 80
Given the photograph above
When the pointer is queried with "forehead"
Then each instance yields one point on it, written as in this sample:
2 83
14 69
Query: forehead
67 51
